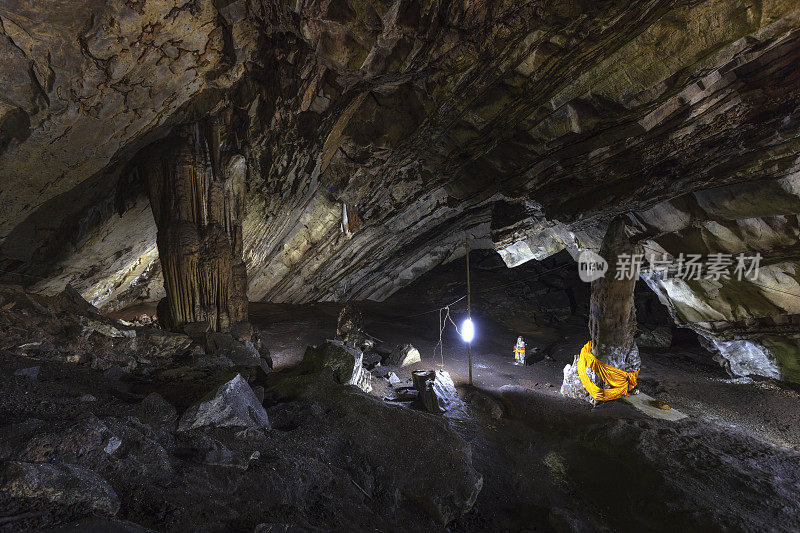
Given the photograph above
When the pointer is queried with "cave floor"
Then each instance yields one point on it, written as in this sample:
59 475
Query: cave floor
686 379
331 460
557 461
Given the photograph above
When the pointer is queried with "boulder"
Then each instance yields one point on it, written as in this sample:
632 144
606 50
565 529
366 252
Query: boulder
403 356
232 404
415 458
372 360
345 361
437 392
259 354
241 353
259 344
105 327
165 344
70 300
59 483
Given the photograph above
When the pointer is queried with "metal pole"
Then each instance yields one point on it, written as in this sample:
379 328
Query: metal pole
469 311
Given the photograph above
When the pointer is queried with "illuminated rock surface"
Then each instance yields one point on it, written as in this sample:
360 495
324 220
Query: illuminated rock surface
211 153
376 136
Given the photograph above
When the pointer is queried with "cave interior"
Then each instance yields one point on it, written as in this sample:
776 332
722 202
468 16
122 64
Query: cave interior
399 265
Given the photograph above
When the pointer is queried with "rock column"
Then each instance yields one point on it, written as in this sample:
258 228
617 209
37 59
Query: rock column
612 313
197 197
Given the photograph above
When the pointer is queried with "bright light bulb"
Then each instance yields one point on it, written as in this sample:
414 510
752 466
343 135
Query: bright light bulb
467 330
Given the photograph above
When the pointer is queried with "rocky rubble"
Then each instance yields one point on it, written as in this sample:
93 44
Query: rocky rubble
64 327
125 456
62 484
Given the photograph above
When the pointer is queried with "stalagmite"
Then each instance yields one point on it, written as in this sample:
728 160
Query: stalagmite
612 314
197 193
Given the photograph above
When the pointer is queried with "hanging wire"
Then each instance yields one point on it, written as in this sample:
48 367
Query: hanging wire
433 310
441 344
442 326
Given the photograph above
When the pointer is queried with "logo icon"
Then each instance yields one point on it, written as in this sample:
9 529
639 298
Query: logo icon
591 266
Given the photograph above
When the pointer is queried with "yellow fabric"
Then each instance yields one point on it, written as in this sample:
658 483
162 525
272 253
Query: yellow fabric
620 382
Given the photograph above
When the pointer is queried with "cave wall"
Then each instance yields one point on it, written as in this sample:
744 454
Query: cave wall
754 324
378 135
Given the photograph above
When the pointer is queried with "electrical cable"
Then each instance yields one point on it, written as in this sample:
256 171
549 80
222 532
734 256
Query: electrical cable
433 310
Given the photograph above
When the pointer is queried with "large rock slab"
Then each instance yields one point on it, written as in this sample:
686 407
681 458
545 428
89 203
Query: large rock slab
232 404
345 361
59 483
402 457
437 392
403 355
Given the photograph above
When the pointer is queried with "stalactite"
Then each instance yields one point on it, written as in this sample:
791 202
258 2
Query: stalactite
196 204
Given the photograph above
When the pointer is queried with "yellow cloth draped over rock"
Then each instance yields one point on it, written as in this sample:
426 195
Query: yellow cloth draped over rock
620 382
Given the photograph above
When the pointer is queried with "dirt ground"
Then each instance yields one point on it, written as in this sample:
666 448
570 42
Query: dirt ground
338 459
549 461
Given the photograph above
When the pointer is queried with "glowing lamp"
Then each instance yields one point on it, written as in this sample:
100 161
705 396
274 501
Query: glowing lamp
467 330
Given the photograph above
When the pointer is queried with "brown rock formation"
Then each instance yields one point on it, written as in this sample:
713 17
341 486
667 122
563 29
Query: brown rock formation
612 314
197 207
377 134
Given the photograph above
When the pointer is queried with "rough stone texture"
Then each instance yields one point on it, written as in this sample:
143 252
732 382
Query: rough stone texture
377 135
37 324
197 194
437 393
59 483
431 465
403 355
88 84
752 323
232 404
345 361
612 313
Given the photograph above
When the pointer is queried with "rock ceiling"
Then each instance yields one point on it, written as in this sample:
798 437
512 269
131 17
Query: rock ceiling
379 134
